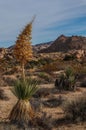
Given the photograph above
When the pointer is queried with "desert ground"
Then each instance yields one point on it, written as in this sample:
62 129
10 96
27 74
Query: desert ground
50 103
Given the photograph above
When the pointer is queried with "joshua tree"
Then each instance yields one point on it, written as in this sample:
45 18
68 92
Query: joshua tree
22 112
23 50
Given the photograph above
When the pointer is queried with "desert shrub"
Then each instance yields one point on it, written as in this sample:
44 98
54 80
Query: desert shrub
66 81
49 67
2 95
39 62
45 76
15 69
9 80
53 66
31 64
69 72
83 83
75 109
69 57
42 92
43 61
78 68
54 102
36 104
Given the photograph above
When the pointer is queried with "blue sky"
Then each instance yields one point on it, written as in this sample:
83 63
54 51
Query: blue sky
53 18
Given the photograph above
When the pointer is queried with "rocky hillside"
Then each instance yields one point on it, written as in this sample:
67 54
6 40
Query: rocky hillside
65 44
61 44
41 46
36 47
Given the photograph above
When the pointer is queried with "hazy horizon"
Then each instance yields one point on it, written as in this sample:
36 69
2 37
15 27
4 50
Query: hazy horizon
53 18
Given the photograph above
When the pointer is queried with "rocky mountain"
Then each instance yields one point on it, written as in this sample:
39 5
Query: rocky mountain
65 44
61 44
41 46
36 47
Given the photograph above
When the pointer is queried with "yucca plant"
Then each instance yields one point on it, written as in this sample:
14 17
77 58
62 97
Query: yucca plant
66 81
68 72
23 89
22 112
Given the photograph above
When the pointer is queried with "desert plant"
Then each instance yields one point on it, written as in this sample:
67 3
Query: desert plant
79 68
23 89
83 83
45 76
69 57
75 110
31 64
53 66
2 95
44 61
49 67
66 81
22 112
22 49
69 72
59 83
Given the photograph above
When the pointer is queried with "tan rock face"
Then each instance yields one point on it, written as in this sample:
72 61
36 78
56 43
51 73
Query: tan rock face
65 44
80 54
2 52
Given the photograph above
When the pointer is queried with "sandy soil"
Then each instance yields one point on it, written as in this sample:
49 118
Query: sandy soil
54 112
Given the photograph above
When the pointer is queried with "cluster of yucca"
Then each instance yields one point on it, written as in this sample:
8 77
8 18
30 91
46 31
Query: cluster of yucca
23 89
66 81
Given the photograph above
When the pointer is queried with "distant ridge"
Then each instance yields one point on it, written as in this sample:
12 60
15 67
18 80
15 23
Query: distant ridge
41 46
64 44
61 44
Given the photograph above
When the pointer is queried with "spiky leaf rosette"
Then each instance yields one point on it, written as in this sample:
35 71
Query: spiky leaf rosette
24 89
22 112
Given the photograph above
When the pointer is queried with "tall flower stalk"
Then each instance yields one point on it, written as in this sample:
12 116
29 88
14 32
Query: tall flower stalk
23 49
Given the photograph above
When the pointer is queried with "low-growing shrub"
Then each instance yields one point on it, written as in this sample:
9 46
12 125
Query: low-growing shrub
2 95
43 61
53 66
49 67
45 76
83 83
69 57
75 110
31 64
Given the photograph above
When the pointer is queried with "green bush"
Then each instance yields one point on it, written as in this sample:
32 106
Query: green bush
44 76
44 61
24 89
66 81
31 64
75 110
